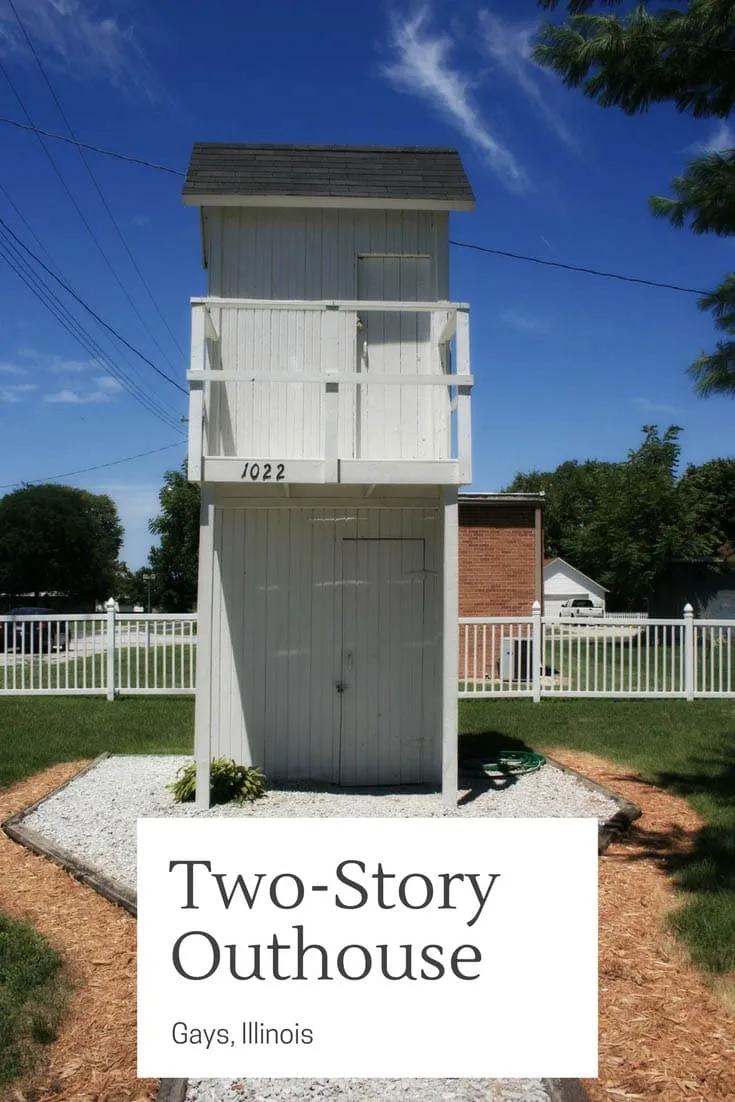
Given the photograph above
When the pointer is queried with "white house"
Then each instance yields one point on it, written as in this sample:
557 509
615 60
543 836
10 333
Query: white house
330 430
563 582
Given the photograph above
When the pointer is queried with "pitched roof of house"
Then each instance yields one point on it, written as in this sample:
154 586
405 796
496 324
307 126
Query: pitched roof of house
428 176
550 562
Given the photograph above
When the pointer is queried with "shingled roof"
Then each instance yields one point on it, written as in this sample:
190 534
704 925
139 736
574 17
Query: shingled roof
410 176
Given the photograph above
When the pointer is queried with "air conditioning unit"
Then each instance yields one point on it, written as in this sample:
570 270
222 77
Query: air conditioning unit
516 660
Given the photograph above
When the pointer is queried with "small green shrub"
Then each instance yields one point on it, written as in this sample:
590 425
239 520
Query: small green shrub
227 781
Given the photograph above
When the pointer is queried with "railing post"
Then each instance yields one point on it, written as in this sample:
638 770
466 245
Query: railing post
111 607
464 416
196 394
537 658
689 651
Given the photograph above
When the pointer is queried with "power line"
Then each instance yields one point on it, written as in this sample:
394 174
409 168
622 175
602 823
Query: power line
577 268
92 176
96 467
92 148
456 244
83 218
57 309
89 310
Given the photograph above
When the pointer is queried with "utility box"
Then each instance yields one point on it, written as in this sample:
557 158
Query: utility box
516 659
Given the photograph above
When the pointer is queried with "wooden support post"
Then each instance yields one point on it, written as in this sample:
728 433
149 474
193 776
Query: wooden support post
203 711
464 410
196 394
450 641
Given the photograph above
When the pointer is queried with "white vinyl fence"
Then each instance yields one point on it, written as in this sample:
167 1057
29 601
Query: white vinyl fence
110 654
537 656
533 656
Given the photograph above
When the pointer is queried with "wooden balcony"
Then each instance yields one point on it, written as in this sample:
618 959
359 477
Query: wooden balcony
329 392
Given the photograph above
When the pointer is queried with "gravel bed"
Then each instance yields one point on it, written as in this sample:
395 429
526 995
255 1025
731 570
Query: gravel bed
119 790
368 1090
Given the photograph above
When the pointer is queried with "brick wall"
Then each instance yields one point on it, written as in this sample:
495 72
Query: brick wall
497 577
497 560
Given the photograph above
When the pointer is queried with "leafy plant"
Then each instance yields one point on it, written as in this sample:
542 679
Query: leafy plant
227 781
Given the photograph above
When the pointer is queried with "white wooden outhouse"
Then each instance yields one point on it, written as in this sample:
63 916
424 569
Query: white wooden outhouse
330 430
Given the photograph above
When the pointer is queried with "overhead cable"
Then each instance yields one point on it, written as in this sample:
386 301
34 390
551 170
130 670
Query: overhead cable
577 268
83 218
57 308
93 178
118 336
96 467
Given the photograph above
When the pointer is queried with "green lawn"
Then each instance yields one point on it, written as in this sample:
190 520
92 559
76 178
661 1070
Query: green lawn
38 731
166 666
32 995
685 748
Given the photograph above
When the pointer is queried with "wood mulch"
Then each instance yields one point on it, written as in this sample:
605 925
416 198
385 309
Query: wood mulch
94 1058
664 1035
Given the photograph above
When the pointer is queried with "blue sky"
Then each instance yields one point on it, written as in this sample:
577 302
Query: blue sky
566 365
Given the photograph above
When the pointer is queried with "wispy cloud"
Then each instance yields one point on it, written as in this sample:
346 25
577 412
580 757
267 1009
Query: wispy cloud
108 384
15 392
11 369
509 46
524 322
653 407
423 68
723 138
59 366
67 396
85 38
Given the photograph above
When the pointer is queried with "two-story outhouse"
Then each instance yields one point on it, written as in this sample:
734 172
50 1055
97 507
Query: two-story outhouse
330 430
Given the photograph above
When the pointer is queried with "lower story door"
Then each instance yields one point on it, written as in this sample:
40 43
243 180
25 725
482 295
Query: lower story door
382 737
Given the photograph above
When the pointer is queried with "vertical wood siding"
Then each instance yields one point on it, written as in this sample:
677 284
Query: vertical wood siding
324 254
289 595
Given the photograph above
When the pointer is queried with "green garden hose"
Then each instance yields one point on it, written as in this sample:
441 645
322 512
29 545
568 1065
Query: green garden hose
506 762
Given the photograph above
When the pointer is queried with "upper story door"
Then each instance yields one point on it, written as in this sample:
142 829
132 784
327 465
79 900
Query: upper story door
396 422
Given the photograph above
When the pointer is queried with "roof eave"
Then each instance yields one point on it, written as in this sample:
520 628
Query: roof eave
471 498
352 202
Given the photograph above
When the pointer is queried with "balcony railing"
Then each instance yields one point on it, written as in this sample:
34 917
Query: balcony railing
329 391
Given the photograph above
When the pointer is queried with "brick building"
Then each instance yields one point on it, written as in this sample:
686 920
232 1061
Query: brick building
501 554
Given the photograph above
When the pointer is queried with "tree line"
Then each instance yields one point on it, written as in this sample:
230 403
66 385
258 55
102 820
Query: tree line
622 523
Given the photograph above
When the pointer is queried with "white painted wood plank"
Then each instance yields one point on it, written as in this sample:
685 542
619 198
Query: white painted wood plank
450 638
203 704
377 304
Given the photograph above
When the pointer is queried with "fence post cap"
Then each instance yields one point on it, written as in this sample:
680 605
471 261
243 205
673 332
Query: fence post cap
536 606
110 604
688 610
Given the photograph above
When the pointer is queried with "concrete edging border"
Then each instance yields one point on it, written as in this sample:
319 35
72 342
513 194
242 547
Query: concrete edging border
618 823
174 1090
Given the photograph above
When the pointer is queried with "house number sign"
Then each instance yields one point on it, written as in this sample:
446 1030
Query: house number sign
264 472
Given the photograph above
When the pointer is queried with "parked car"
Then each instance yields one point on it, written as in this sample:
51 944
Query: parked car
33 636
581 608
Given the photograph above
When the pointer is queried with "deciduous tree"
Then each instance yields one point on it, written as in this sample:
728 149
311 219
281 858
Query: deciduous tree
682 54
174 563
57 539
